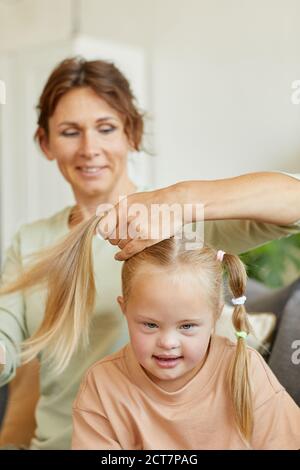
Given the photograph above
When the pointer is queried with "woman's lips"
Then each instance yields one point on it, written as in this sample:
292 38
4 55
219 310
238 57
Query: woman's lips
167 362
91 171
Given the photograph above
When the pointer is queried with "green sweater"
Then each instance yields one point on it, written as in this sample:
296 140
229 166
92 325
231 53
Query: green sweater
21 313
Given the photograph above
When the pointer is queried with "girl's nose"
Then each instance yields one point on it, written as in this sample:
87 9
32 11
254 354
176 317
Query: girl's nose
168 341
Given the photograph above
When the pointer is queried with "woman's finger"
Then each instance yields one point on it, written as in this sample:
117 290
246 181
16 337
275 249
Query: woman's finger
107 225
132 248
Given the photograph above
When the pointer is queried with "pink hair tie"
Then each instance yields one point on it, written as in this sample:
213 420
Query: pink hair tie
220 255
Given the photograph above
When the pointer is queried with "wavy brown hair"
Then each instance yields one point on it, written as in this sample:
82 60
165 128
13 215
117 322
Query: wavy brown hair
105 79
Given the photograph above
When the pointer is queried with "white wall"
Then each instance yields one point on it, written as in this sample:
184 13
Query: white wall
222 73
32 22
130 21
25 23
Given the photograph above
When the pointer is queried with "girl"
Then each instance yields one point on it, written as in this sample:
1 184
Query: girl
177 385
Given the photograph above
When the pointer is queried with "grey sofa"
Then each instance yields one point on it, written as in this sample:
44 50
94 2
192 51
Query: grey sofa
3 400
285 304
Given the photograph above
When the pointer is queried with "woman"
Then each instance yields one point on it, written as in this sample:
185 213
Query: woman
88 123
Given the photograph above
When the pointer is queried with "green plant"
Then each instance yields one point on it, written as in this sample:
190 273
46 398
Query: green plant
274 263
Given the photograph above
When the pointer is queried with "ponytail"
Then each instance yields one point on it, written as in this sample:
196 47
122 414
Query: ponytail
67 270
238 377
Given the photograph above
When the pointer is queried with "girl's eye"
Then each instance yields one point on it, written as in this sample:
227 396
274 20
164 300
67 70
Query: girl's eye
151 326
106 129
188 326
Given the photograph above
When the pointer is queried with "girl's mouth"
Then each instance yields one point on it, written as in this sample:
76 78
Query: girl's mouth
166 362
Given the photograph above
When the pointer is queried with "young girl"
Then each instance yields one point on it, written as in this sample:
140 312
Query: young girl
177 385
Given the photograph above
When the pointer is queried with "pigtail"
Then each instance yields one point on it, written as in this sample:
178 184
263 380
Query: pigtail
239 373
67 271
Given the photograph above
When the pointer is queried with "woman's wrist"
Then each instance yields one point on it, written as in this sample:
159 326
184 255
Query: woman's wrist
195 199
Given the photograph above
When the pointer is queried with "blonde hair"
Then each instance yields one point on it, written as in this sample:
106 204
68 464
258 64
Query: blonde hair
67 269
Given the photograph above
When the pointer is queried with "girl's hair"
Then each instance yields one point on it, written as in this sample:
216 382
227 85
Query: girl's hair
105 79
67 270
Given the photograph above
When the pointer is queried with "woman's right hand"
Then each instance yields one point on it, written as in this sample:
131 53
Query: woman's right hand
143 219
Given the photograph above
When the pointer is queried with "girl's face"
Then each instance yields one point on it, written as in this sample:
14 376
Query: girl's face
170 324
87 139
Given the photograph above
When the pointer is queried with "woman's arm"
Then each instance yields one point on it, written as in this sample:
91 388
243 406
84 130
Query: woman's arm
266 198
12 318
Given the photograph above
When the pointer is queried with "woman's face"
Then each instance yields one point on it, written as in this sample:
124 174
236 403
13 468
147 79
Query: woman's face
87 139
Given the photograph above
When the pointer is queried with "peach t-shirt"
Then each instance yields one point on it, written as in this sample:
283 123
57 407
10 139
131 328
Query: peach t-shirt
119 407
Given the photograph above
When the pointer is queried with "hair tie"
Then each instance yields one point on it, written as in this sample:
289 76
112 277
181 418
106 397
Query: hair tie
220 255
241 334
239 300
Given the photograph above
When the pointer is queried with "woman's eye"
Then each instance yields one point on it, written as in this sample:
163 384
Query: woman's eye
106 129
69 133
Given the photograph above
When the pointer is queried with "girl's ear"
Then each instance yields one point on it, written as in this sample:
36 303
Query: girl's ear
44 144
121 302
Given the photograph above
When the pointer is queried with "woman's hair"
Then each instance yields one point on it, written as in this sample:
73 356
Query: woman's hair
67 270
105 79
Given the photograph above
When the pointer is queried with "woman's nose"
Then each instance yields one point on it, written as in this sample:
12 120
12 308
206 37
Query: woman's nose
89 146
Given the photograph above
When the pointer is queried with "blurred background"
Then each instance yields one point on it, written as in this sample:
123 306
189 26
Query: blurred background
215 77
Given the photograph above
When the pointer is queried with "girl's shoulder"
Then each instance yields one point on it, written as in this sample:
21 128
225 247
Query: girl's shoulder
109 365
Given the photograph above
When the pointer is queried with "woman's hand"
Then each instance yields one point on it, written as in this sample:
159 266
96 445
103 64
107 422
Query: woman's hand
143 219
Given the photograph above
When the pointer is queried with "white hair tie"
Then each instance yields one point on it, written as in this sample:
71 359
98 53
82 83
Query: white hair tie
220 255
239 300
